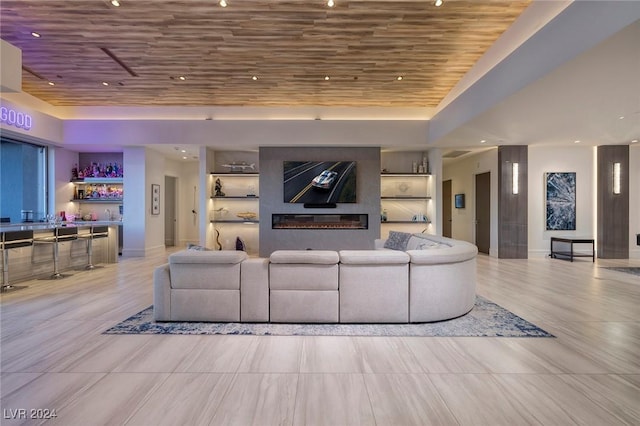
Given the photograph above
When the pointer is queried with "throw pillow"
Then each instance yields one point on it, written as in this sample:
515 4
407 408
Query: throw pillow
397 240
196 247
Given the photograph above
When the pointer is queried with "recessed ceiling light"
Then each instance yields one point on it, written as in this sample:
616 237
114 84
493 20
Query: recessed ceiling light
330 3
621 117
438 3
184 158
182 77
51 83
576 141
399 78
326 77
35 34
634 141
223 3
483 141
115 3
254 78
183 150
104 83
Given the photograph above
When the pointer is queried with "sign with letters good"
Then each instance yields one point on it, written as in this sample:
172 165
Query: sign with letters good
15 118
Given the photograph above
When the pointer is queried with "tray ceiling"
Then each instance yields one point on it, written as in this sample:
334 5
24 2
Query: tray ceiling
134 54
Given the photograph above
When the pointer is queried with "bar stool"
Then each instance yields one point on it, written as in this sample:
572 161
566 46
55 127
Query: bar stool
10 240
94 233
60 234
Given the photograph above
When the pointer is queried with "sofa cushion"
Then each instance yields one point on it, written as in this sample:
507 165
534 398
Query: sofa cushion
373 257
196 256
318 257
425 242
459 252
397 240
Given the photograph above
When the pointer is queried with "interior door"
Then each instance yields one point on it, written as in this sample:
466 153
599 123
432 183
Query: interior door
483 212
169 211
447 216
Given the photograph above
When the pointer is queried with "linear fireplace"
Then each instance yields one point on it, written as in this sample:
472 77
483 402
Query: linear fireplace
319 221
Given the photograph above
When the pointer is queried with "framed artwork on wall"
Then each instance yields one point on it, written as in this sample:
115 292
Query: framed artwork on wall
155 199
459 201
560 201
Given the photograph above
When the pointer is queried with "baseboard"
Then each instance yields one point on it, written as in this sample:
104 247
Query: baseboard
538 254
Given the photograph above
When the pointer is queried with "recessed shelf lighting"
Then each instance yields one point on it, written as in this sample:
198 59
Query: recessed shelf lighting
35 34
115 3
326 77
222 3
104 83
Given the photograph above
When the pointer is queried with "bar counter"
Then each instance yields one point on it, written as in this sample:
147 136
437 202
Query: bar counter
36 261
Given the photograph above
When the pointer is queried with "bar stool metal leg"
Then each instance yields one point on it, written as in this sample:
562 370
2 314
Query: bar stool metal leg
5 270
94 233
60 234
11 240
56 273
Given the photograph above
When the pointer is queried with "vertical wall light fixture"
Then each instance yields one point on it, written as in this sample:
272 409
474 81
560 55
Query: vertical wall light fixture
616 178
514 178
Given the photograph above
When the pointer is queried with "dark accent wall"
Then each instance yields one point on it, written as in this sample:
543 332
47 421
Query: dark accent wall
613 209
512 208
272 200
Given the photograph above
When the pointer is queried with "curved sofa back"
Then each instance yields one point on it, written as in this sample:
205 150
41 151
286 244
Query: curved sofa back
436 249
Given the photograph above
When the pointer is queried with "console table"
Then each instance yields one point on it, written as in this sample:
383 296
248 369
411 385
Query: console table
571 241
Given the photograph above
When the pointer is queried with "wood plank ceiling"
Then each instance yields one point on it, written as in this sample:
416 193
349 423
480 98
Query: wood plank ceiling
290 46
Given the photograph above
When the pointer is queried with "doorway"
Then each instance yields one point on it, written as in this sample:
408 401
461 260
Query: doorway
483 212
170 196
447 214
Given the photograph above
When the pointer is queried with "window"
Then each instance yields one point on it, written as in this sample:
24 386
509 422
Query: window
23 181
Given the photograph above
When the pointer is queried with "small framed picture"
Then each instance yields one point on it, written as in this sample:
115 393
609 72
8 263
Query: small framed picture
155 199
459 201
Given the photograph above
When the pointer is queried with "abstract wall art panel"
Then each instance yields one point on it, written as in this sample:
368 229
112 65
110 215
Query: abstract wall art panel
561 201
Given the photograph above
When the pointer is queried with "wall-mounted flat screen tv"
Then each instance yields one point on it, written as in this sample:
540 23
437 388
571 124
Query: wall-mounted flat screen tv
319 182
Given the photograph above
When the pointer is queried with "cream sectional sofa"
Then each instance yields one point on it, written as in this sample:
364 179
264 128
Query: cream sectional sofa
423 278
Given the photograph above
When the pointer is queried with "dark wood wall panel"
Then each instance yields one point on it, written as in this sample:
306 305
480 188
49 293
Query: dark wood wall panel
613 209
513 209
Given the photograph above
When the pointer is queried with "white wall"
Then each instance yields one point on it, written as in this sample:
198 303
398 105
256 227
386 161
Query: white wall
544 159
634 200
188 184
246 134
462 174
63 162
155 170
134 201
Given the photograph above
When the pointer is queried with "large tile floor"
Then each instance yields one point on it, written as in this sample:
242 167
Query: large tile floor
54 357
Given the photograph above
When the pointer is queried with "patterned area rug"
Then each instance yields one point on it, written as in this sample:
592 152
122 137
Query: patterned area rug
628 269
485 319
